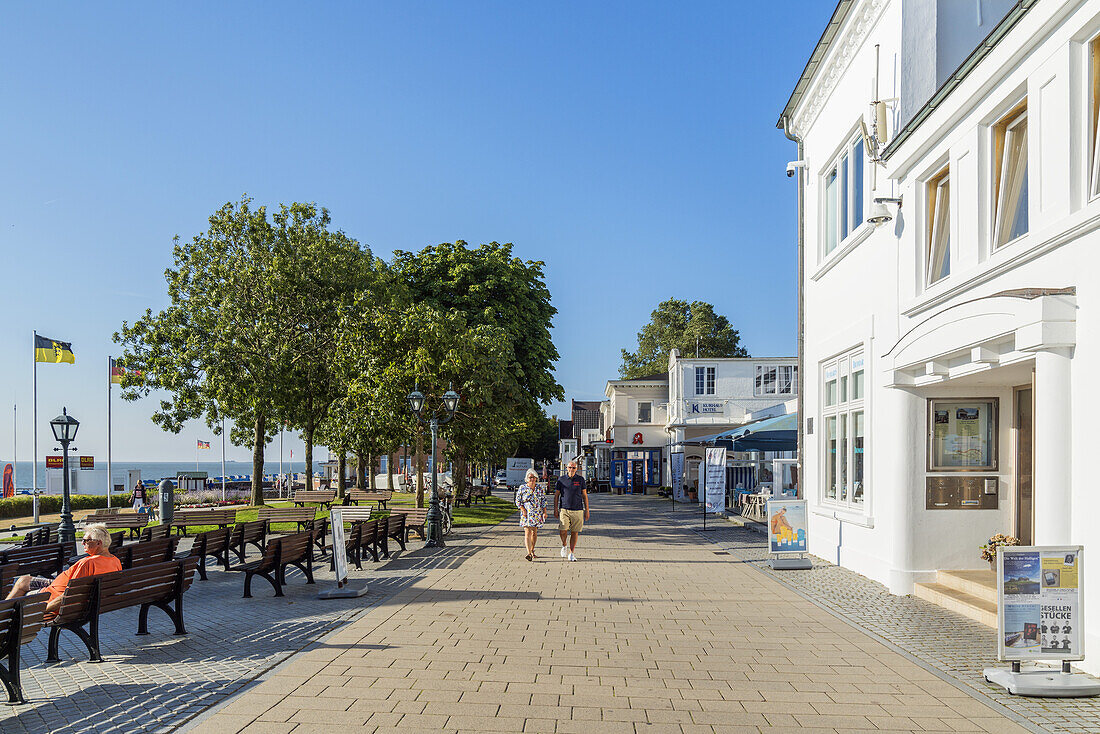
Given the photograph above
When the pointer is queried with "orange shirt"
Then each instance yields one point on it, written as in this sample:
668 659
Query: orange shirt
86 566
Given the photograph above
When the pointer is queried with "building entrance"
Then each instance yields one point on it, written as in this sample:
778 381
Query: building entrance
1025 498
637 485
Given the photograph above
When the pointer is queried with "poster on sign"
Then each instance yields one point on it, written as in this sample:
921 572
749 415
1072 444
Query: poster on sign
787 526
715 499
1040 615
678 493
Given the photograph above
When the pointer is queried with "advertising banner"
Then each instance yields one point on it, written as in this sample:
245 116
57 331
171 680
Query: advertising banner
1039 595
339 545
54 462
678 492
787 521
716 481
87 462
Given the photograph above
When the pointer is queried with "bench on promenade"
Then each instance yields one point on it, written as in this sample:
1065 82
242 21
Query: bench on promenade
213 543
302 516
155 532
481 493
316 496
287 550
359 537
101 513
139 553
464 497
159 585
20 620
414 521
380 498
42 536
242 534
37 560
391 526
191 518
130 521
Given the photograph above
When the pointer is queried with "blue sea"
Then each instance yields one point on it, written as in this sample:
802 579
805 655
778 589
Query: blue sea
94 481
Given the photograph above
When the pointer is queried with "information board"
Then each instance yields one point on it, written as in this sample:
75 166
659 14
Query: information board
1040 600
678 493
787 521
715 498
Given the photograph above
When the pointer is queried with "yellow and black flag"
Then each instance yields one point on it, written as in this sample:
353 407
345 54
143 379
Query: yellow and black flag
51 350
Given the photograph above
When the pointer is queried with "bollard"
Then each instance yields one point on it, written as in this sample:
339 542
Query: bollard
167 501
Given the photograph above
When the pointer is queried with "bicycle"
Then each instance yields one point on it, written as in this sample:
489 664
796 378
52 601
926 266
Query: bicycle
446 503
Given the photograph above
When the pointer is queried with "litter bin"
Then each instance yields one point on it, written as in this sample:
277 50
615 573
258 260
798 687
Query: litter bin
167 500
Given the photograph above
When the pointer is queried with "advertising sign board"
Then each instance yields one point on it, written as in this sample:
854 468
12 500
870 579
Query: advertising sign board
339 546
787 524
87 462
678 493
1040 603
715 499
54 462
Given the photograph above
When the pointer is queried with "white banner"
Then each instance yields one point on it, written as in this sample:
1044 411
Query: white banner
678 493
339 545
715 499
1040 603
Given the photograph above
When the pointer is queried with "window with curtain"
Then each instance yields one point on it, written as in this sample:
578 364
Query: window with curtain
938 264
844 421
774 379
843 196
1010 177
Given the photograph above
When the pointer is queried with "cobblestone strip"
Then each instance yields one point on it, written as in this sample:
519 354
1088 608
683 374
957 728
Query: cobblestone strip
948 643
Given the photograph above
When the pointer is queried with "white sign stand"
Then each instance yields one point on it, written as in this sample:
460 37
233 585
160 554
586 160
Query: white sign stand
1039 616
340 561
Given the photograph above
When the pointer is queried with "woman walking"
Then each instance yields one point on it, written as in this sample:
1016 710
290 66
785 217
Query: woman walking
531 502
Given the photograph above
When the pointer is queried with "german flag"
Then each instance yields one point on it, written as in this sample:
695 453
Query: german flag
51 350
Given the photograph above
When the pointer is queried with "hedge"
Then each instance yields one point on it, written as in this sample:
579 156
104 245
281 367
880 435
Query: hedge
50 504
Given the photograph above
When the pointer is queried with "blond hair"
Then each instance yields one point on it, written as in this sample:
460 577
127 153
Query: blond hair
98 531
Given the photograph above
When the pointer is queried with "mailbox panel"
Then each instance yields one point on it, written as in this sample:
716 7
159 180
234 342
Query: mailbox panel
960 493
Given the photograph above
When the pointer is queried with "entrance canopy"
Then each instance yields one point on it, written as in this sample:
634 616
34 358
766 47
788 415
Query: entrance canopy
769 434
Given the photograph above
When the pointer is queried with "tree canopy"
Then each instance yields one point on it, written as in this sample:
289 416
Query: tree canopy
677 324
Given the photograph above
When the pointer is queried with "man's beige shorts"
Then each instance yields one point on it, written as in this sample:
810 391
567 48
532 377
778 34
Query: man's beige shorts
572 521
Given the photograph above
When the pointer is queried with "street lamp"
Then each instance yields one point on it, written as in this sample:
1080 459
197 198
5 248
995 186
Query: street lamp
64 430
416 405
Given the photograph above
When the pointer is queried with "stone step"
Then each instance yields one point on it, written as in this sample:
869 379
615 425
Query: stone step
982 584
968 605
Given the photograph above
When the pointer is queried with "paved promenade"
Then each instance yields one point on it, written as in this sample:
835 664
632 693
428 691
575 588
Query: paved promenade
654 629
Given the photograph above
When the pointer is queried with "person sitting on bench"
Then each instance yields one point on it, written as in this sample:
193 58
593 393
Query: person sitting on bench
99 560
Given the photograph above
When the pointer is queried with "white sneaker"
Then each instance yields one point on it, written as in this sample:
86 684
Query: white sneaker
572 557
564 552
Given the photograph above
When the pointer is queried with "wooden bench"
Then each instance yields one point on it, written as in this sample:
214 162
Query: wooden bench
190 518
244 533
364 535
287 550
143 554
303 516
131 521
355 516
213 543
355 496
158 585
481 493
20 620
392 526
101 513
465 497
38 560
317 496
155 532
42 536
414 521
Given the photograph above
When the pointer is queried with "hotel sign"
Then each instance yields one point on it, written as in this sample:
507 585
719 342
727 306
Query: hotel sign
697 407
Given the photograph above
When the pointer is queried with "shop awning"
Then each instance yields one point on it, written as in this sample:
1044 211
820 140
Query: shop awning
768 434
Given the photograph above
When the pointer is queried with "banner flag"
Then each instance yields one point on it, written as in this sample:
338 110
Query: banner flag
203 445
9 482
118 371
715 493
52 350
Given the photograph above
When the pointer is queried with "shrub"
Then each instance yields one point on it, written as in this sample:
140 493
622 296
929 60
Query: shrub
48 504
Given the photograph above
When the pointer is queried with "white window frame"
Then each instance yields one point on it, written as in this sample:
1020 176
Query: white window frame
847 212
759 388
938 239
709 375
650 405
1094 111
1013 126
848 494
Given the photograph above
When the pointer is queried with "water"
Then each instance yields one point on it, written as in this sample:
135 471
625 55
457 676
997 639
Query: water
94 481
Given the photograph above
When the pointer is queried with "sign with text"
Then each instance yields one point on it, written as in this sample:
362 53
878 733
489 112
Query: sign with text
678 493
715 500
787 521
87 462
54 462
339 546
697 407
1039 603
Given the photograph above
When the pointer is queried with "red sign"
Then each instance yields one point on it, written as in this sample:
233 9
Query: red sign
87 462
610 440
637 438
54 462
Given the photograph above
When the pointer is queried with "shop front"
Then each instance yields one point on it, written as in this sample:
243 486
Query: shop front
635 470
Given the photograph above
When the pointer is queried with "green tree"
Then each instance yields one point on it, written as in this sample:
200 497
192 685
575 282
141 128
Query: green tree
677 324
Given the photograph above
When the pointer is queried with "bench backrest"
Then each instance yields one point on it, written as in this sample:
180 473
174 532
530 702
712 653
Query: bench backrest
370 494
314 495
153 583
154 532
183 518
356 514
104 512
286 549
366 532
395 524
37 537
26 611
249 532
414 517
287 514
38 560
211 542
151 551
128 520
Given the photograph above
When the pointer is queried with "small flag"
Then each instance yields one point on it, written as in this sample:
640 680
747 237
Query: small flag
204 444
51 350
117 371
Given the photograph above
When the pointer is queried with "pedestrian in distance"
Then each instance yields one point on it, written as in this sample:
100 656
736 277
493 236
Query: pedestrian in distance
139 497
571 509
532 510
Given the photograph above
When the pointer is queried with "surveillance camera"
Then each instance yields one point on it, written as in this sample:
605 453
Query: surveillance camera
793 166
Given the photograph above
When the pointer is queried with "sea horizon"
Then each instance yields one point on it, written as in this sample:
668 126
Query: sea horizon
94 481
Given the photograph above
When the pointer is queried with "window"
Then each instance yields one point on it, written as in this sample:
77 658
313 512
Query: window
774 379
843 195
383 464
962 435
1010 177
845 424
938 262
1095 121
645 412
705 380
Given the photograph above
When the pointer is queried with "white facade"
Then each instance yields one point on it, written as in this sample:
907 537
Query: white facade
635 414
981 293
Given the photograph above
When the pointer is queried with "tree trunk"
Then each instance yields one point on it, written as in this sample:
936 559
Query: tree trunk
419 469
341 470
459 476
258 440
370 476
309 456
360 470
389 472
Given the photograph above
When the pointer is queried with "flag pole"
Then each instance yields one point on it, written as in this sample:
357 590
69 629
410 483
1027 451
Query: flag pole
15 444
34 426
223 459
110 479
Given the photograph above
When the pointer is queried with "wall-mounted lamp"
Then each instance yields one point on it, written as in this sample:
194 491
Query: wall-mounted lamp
879 213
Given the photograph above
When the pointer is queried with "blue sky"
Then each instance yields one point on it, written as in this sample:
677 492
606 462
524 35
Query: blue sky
629 145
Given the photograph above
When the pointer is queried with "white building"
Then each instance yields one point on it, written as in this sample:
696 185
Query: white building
634 416
947 353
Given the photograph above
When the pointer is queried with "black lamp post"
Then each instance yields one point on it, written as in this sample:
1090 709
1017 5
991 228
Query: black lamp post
64 430
450 404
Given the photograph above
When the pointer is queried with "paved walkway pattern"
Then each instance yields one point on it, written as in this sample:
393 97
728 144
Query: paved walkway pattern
652 630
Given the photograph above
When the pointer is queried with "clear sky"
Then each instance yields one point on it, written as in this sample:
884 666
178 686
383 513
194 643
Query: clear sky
629 145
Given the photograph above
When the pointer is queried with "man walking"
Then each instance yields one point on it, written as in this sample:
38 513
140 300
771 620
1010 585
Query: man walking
571 496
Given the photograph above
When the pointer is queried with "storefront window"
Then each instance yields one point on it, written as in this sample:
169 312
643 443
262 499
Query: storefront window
962 435
830 457
857 456
841 458
844 420
830 392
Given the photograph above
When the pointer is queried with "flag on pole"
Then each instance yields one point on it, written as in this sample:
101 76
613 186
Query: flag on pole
203 445
117 371
51 350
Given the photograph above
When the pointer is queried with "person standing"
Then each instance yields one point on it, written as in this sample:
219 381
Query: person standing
571 509
532 510
139 497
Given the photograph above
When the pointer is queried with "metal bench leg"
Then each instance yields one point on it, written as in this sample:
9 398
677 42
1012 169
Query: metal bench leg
51 647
